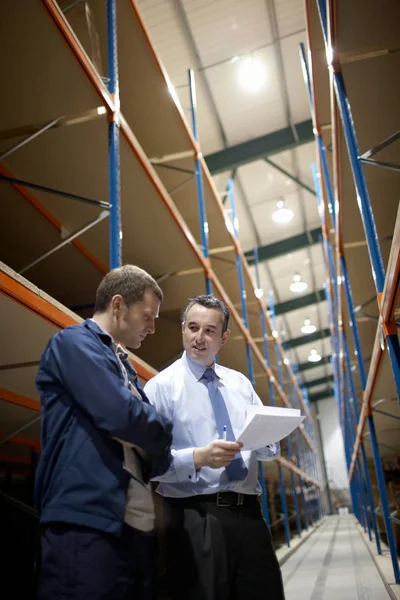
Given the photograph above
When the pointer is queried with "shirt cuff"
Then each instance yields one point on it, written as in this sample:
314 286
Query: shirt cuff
269 452
184 464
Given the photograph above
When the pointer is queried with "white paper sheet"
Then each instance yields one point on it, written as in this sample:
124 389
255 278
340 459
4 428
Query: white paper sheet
268 424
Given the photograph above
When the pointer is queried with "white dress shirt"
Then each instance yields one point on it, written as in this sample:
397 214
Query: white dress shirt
180 395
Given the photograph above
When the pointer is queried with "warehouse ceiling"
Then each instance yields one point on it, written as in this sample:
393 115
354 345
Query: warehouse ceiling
215 40
261 138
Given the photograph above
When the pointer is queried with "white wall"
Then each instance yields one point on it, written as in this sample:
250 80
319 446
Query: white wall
333 443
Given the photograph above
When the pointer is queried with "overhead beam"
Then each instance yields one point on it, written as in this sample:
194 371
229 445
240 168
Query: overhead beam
320 396
290 176
307 300
320 381
295 342
261 147
296 242
307 339
325 360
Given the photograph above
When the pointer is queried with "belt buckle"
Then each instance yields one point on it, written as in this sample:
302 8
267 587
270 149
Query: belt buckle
222 502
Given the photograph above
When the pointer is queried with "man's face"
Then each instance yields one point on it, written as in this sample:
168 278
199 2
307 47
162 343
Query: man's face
202 334
136 321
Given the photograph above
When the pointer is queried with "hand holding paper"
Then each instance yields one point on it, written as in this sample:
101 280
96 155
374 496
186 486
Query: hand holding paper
268 424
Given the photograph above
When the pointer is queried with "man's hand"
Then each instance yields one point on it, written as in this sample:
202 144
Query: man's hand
215 455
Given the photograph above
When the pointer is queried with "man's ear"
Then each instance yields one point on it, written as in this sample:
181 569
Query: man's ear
225 336
116 304
183 326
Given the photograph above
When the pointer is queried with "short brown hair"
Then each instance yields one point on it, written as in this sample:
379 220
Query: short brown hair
128 281
210 301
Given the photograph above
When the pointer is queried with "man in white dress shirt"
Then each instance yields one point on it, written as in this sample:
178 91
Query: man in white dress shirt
217 544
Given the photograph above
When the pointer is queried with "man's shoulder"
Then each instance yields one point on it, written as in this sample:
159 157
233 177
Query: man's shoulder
168 374
62 343
230 374
81 336
71 334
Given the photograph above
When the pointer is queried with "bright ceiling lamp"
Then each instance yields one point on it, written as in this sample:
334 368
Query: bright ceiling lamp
258 292
314 356
307 327
282 215
297 284
252 74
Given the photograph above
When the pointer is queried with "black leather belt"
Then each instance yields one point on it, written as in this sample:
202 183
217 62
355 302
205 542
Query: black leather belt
221 499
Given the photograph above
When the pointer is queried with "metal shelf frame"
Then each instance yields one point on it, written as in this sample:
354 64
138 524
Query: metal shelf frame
32 300
351 419
240 262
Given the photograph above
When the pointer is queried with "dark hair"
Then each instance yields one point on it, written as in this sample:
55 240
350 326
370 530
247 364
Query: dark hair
128 281
209 301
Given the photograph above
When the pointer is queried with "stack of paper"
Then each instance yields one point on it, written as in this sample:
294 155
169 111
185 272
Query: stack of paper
268 424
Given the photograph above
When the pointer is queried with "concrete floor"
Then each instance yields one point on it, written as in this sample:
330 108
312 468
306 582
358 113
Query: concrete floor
333 564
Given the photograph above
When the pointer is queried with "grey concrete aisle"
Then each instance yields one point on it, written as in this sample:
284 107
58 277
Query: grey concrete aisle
333 564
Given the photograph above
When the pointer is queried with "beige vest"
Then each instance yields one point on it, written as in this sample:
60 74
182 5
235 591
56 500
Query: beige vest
139 507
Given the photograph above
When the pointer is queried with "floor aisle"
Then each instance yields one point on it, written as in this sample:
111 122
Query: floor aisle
333 564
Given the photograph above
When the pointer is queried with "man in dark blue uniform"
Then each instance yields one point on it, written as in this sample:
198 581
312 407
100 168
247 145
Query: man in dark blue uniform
101 443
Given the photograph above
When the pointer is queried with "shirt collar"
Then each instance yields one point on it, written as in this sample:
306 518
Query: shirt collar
195 368
117 348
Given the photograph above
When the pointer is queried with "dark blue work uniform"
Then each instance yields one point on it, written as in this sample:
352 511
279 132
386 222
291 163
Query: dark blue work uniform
87 549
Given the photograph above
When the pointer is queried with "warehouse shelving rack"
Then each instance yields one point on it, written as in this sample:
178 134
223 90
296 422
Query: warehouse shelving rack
102 109
327 76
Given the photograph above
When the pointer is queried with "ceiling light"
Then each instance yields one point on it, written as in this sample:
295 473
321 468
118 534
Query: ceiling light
307 327
314 356
282 215
297 284
258 292
252 74
286 361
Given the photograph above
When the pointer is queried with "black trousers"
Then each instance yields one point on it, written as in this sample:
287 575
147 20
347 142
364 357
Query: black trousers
82 563
220 553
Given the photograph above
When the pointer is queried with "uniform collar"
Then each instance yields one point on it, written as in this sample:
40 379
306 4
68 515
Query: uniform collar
106 337
102 333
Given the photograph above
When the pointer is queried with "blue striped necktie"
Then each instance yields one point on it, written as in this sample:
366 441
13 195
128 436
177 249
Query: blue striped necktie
237 470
